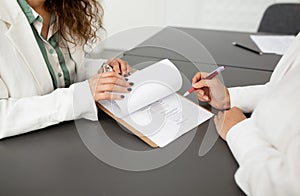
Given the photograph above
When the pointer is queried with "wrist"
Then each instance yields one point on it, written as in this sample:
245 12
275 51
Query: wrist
224 102
227 100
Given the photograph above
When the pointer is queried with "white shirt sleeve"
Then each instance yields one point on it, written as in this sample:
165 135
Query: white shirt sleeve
21 115
264 170
267 146
246 98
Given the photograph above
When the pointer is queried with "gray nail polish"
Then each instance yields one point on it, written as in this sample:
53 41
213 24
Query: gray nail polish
131 83
122 96
129 89
125 75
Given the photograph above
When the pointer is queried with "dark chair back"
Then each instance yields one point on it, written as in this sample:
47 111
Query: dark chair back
281 19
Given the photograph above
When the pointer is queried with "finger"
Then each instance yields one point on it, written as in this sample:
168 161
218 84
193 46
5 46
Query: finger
132 70
199 76
116 66
201 92
110 74
112 88
128 69
206 98
200 97
114 80
203 98
108 96
196 78
123 65
102 77
200 84
124 69
207 93
204 93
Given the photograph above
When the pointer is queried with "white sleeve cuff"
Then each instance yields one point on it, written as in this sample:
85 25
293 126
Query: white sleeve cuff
246 98
83 104
235 98
243 138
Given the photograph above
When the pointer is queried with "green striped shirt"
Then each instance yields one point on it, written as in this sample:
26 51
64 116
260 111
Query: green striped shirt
58 59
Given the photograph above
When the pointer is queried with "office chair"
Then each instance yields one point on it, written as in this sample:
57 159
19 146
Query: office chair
281 19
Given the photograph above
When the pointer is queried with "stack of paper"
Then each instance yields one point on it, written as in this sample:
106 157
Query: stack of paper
153 110
276 44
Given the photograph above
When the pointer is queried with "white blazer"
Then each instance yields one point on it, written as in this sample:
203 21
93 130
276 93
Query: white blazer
27 98
267 145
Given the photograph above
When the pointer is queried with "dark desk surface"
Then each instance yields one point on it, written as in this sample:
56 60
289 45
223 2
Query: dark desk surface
217 43
55 161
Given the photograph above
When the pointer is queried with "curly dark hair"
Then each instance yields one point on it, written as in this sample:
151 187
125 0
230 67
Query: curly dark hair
77 21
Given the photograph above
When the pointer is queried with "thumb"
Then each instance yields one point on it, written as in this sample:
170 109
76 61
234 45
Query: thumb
200 84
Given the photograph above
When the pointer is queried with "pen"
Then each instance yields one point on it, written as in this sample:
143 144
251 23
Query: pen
209 77
247 48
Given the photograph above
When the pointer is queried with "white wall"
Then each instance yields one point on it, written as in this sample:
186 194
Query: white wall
239 15
122 15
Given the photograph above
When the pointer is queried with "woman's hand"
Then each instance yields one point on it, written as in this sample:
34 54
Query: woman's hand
211 91
224 121
119 66
103 84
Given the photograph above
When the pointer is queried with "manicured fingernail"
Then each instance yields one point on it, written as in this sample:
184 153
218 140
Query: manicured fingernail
120 74
122 96
126 79
129 89
125 75
131 83
129 73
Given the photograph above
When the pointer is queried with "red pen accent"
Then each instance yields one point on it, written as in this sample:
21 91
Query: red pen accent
191 90
209 77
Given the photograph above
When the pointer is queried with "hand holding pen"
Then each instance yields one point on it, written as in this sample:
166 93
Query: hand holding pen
210 89
208 77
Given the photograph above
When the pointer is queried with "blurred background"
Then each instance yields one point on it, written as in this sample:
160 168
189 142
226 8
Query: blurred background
236 15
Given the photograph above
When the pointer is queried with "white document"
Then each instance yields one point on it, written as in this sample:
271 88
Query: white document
153 107
276 44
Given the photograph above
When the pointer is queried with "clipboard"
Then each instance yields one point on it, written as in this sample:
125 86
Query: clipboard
127 126
175 115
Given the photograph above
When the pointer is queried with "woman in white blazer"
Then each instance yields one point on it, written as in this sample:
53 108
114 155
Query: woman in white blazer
42 66
267 145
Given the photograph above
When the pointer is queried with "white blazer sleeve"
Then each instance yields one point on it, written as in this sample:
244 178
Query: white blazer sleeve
246 98
89 68
264 170
21 115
